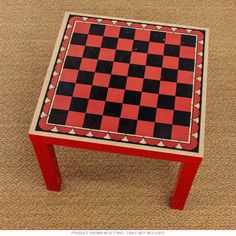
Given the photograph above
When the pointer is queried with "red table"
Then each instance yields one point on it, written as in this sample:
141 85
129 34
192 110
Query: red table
124 86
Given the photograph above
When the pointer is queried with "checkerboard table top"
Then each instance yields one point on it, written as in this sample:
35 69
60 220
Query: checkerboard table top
127 83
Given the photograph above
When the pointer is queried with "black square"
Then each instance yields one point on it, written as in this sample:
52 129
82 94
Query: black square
154 60
112 109
165 101
104 66
98 93
85 77
184 90
136 70
151 86
127 126
79 39
162 131
186 64
147 113
181 118
118 81
97 29
78 104
159 37
171 50
169 74
140 46
188 40
132 97
122 56
72 62
109 42
91 52
58 116
92 121
65 88
127 33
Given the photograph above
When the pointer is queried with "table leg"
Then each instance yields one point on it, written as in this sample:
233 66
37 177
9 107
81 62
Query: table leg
185 179
48 165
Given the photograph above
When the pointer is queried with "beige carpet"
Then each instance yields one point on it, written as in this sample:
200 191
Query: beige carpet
100 190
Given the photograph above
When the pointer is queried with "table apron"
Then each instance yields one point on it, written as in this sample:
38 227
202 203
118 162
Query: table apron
115 149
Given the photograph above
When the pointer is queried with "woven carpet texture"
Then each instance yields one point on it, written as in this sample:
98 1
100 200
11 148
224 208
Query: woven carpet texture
103 190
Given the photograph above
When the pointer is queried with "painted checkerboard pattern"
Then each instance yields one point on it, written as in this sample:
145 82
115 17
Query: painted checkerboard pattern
118 79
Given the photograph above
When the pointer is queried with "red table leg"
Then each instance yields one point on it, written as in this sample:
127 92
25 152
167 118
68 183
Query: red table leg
186 176
48 164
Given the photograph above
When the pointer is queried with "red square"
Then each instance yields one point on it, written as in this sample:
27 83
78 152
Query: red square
180 133
138 58
82 28
170 62
152 72
95 107
94 40
75 118
115 95
69 75
156 48
143 35
112 31
149 99
164 116
167 88
61 102
120 68
75 50
145 128
129 111
183 104
185 77
187 52
107 54
101 79
110 123
135 84
172 38
88 64
125 44
82 90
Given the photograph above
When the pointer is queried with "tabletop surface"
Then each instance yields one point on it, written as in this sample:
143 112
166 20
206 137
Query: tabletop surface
126 81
